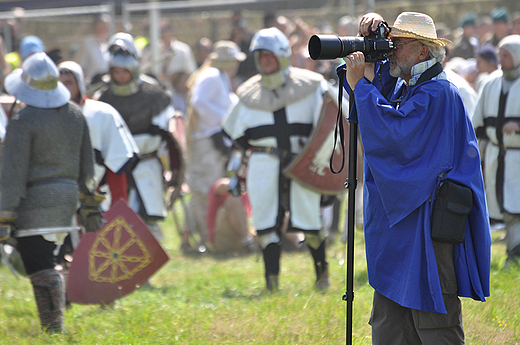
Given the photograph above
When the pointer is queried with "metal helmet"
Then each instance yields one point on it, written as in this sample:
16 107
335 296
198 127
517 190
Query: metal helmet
37 83
274 41
124 54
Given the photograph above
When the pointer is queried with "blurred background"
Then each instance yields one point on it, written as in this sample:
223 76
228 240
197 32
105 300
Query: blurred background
62 24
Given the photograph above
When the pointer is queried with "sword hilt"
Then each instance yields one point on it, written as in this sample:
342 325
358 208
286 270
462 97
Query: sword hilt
45 231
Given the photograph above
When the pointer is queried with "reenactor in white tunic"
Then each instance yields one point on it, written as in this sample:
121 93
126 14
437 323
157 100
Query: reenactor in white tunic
497 119
274 118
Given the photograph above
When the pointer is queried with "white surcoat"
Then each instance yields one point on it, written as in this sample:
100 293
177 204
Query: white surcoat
148 173
109 136
263 118
485 116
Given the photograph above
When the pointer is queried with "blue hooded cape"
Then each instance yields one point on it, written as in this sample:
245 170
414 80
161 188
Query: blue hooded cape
406 149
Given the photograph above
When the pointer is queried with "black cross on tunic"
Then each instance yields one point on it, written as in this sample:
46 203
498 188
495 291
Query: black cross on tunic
282 130
498 122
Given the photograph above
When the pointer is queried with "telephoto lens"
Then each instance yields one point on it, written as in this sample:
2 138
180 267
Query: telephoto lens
330 47
375 46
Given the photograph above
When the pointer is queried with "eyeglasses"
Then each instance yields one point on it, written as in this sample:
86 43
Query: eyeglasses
397 45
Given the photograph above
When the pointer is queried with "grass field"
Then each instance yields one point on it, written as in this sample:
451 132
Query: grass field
221 300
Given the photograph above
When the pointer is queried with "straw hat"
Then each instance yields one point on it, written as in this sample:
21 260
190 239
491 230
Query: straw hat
417 25
227 51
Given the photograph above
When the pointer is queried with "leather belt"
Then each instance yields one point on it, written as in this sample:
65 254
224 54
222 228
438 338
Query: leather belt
50 180
148 155
265 149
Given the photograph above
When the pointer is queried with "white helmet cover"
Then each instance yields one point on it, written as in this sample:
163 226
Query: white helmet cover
77 72
511 43
274 41
37 83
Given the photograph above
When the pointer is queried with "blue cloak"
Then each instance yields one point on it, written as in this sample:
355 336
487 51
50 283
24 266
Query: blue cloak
406 149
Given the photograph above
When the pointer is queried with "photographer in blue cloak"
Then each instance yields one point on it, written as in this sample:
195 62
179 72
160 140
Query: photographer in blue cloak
416 137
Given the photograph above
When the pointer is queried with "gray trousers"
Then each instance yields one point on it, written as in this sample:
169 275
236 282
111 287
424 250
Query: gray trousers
512 235
393 324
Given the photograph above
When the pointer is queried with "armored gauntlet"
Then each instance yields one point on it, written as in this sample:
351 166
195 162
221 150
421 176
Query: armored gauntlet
7 219
90 213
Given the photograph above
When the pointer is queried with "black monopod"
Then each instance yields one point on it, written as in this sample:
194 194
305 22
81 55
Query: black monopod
351 185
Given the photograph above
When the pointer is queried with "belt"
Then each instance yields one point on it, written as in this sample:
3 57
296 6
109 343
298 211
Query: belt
50 180
265 149
505 148
148 155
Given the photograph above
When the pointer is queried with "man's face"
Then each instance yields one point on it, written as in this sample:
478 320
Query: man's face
404 57
102 31
232 69
166 34
501 29
506 60
268 62
469 30
516 28
71 84
120 75
484 66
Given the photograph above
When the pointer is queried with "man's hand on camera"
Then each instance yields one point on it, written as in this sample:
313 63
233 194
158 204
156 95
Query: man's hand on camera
355 68
369 22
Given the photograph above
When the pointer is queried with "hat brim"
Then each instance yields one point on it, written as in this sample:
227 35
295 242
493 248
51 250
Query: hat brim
239 56
55 98
395 32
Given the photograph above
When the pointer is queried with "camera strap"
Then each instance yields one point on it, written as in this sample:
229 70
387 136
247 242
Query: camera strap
429 74
339 122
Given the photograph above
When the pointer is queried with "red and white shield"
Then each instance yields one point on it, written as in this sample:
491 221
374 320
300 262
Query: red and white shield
311 167
115 260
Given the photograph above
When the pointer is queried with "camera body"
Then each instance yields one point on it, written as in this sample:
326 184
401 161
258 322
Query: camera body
375 46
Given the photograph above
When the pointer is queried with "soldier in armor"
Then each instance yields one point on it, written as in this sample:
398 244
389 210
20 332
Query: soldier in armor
146 109
46 163
277 111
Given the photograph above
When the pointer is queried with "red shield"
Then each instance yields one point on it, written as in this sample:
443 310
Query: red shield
176 144
311 167
115 260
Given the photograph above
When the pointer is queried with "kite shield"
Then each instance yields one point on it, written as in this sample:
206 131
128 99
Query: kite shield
311 167
115 260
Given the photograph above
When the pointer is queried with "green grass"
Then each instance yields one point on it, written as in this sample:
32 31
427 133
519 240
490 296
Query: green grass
217 300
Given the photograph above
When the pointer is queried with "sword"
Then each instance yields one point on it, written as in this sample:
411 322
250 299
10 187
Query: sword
45 231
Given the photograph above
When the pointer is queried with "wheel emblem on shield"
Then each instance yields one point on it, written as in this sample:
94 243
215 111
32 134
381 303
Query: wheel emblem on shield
117 253
115 260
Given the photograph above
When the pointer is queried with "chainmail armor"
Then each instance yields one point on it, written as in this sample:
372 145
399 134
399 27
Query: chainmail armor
46 155
138 109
